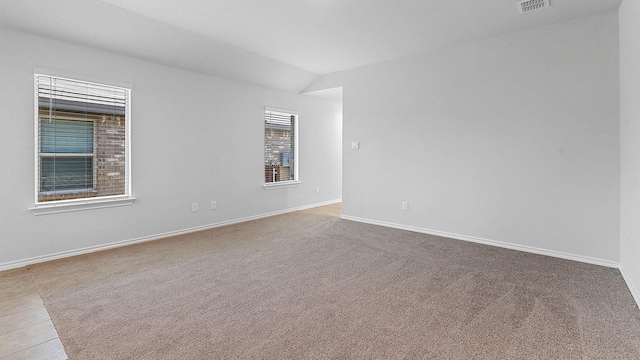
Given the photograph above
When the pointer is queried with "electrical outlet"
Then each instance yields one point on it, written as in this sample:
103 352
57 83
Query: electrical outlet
317 189
405 205
194 207
213 205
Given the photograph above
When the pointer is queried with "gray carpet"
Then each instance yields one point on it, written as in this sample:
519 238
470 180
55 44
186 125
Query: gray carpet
309 285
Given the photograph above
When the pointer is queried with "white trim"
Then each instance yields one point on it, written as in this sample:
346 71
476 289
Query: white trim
36 139
634 292
283 111
127 148
529 249
280 184
81 77
65 254
57 207
296 149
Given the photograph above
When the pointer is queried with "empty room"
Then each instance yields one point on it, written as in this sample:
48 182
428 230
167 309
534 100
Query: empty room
319 179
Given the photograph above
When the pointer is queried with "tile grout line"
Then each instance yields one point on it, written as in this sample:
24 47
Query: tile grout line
39 292
32 346
36 323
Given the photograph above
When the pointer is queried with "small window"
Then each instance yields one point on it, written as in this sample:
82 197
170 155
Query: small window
280 147
82 140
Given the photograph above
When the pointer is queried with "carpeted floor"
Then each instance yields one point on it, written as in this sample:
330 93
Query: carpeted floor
309 285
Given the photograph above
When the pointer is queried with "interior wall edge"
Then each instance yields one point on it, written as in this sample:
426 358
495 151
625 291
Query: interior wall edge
87 250
501 244
634 292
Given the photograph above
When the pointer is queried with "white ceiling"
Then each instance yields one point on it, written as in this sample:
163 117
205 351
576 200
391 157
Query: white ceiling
324 36
297 40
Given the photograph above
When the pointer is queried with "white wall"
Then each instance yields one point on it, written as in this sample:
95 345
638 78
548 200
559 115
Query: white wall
195 138
512 139
629 14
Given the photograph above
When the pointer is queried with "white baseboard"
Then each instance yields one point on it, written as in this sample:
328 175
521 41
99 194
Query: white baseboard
65 254
634 292
529 249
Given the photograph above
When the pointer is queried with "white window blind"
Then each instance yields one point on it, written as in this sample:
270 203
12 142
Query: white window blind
280 146
81 139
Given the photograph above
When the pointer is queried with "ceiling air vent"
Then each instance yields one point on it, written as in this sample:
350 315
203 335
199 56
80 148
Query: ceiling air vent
530 5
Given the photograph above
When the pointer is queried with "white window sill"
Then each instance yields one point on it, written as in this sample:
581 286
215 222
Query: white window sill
280 184
63 207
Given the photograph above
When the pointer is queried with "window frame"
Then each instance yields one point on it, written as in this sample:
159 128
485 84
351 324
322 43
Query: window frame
296 150
87 203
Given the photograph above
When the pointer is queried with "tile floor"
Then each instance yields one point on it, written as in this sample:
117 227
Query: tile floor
26 331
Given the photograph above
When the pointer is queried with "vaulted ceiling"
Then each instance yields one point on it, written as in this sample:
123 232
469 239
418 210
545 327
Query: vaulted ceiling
283 44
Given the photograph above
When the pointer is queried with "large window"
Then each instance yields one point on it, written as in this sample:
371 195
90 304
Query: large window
280 147
81 139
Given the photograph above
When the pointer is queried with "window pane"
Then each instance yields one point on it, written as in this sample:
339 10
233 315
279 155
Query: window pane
279 146
66 173
66 136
